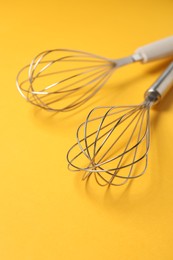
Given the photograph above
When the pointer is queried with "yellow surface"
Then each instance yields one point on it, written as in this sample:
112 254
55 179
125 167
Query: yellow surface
46 212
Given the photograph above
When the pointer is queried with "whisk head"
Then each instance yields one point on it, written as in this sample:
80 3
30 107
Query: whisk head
112 144
63 79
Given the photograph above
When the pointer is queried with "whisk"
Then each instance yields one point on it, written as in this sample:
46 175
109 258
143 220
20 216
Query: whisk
113 144
64 79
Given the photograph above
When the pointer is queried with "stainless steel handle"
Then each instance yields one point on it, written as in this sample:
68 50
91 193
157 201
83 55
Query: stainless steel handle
160 88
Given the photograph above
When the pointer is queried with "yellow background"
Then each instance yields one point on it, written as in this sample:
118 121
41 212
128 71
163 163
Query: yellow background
46 212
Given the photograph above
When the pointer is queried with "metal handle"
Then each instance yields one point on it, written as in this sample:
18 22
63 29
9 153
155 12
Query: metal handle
160 88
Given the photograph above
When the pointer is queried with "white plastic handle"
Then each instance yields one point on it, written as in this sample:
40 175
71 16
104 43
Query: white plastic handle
156 50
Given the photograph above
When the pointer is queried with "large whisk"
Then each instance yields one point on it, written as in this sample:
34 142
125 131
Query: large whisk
113 142
63 79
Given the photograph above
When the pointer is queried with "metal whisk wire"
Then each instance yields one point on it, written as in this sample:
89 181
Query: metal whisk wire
92 150
84 80
114 145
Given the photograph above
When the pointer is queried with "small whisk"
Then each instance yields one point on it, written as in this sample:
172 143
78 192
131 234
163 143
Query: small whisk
114 144
64 79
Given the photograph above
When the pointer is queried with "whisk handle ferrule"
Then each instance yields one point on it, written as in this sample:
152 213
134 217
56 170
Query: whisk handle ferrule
160 88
